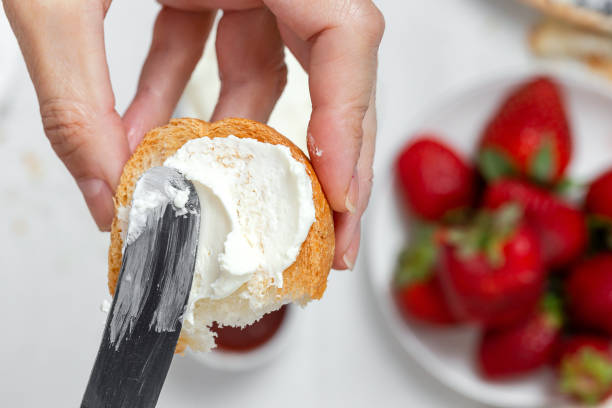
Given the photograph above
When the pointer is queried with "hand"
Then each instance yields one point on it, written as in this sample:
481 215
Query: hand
336 41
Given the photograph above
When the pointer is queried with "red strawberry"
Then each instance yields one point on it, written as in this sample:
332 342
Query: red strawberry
585 369
561 229
491 271
417 289
599 207
589 292
525 347
599 196
529 135
424 300
434 180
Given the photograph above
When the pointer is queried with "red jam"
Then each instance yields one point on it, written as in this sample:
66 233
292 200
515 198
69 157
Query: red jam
252 336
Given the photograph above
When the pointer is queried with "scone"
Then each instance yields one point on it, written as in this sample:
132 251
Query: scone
267 235
596 14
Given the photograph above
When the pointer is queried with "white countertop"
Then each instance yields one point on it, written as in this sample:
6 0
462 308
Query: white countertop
53 260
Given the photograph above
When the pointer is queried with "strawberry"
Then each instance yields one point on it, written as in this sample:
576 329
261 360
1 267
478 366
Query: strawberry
529 136
417 290
561 229
599 207
599 196
589 292
434 180
585 368
491 270
525 347
424 300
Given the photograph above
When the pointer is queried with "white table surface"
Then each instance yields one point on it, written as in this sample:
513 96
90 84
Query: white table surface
53 260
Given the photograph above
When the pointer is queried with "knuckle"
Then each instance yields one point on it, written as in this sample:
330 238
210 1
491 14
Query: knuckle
369 20
66 125
356 116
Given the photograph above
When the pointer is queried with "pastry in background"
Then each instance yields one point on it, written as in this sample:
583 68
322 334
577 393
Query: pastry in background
596 14
558 39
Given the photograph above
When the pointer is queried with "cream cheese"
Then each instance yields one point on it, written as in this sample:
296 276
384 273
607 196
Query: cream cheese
256 210
146 200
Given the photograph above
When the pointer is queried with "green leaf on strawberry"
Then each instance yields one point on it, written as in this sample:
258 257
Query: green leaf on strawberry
552 308
495 165
417 260
542 166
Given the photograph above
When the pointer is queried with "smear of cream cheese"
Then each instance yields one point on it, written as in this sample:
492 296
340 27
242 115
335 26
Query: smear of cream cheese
256 210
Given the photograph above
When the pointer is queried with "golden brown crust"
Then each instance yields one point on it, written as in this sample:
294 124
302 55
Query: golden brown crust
575 14
156 146
306 278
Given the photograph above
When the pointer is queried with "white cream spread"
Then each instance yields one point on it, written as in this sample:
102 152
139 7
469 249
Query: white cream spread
145 200
256 210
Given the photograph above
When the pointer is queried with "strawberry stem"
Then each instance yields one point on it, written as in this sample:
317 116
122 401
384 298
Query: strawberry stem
552 306
487 234
417 260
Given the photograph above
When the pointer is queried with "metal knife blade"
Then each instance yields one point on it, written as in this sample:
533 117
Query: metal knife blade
145 318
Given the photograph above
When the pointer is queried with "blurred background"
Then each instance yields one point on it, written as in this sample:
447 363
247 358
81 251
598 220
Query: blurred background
53 260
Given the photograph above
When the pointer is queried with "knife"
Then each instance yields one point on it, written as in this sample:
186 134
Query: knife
145 318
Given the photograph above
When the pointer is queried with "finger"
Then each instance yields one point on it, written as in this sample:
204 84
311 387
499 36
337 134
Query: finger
74 93
298 47
178 42
347 225
202 5
251 65
344 39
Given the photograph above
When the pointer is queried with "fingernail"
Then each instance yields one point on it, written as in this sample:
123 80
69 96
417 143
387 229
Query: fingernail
348 262
350 255
350 202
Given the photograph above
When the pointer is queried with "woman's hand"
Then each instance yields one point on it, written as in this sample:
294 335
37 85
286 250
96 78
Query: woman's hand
336 41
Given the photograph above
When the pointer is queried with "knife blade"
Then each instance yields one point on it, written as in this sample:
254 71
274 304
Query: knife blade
145 318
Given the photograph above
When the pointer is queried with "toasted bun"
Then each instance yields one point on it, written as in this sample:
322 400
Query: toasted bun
581 15
304 280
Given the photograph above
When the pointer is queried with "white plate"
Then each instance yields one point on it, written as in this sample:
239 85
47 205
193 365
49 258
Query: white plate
448 353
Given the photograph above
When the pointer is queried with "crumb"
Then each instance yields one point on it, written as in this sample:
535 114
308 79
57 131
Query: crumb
19 227
32 165
105 306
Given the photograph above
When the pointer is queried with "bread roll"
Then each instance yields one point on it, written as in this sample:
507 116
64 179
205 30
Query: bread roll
304 280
